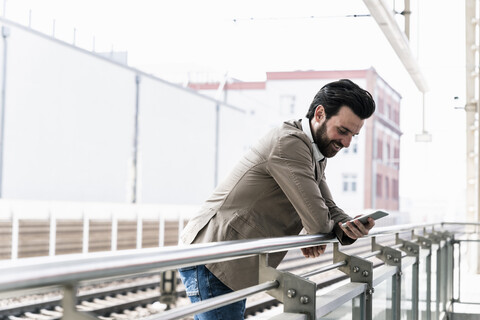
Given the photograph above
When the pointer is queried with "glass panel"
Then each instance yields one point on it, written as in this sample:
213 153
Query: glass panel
423 287
406 304
382 301
344 312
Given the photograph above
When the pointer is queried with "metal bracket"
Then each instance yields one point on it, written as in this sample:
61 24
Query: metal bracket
359 269
69 304
410 248
297 294
390 256
436 237
425 243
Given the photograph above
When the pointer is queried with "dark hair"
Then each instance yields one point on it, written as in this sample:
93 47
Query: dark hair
344 92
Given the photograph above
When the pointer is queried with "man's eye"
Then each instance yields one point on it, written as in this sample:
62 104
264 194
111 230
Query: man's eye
342 131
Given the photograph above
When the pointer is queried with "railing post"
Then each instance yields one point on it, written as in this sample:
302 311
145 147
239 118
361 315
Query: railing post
437 239
297 294
392 257
168 285
52 235
114 233
359 270
412 249
86 233
446 261
139 231
15 236
69 305
426 244
161 230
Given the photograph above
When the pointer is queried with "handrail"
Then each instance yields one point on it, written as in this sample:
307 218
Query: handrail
67 270
35 272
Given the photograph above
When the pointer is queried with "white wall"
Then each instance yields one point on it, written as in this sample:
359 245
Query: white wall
69 128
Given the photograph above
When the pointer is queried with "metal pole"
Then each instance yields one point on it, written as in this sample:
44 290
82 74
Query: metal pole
135 142
415 289
428 267
5 35
217 138
459 269
406 14
439 280
470 108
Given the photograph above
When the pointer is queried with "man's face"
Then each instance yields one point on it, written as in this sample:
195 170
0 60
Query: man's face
337 132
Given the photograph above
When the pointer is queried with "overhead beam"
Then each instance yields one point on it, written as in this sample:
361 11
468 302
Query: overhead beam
383 15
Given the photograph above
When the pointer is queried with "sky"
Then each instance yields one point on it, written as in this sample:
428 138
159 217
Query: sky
203 40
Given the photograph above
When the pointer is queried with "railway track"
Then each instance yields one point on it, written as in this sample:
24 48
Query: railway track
133 298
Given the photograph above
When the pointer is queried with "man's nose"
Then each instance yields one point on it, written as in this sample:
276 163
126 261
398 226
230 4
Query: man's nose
346 141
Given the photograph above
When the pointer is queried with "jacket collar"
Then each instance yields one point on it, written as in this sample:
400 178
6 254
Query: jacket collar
306 129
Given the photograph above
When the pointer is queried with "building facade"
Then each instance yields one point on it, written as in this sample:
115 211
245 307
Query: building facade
364 176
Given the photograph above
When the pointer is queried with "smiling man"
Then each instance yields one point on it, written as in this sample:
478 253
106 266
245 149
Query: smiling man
277 189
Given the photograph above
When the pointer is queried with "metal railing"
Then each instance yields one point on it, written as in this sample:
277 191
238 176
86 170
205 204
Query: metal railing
415 279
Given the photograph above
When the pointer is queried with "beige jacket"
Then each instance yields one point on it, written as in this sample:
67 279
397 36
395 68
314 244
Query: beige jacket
275 190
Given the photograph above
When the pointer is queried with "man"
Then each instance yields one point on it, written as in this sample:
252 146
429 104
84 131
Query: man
276 189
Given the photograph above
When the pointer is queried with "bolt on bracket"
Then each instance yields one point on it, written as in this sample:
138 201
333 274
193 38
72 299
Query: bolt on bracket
425 243
389 256
359 269
410 248
297 294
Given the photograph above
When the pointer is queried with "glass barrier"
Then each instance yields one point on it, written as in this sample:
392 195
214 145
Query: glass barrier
406 303
348 311
424 284
382 300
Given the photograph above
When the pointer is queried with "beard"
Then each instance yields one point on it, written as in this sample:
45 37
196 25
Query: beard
326 146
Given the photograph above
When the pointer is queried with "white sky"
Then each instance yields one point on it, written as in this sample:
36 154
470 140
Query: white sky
204 39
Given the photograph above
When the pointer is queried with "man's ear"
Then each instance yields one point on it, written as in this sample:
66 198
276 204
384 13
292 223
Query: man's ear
319 112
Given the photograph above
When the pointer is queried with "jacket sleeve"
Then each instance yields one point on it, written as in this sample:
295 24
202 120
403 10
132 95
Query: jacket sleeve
291 165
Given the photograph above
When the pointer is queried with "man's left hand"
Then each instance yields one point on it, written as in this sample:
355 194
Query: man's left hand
357 229
313 252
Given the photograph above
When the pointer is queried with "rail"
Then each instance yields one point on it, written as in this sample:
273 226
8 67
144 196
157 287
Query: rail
429 245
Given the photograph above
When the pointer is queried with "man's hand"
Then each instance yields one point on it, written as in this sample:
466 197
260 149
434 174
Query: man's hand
357 229
313 252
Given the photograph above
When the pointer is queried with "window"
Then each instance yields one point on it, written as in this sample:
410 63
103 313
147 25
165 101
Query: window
388 157
379 149
395 189
387 188
380 105
355 148
379 185
349 183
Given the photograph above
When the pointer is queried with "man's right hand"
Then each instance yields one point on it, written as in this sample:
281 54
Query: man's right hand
313 252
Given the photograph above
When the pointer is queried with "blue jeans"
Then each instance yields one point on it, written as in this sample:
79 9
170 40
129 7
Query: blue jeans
201 284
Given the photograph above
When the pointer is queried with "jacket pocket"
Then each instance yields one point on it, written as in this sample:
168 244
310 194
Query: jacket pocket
246 228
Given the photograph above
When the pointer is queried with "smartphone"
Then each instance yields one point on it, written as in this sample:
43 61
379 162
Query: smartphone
363 219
